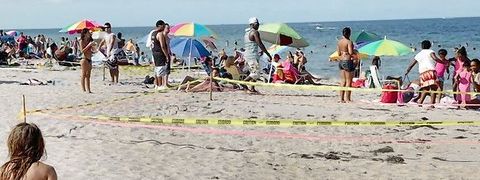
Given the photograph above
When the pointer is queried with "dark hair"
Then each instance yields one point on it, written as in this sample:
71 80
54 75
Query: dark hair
119 35
159 23
347 32
476 61
467 65
462 51
107 25
25 147
84 32
426 44
442 52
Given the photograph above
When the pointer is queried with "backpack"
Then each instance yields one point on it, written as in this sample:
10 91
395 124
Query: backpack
149 80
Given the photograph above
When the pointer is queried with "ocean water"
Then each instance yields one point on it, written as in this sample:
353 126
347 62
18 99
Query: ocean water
448 33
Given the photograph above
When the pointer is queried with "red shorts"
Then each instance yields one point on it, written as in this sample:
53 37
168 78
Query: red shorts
428 78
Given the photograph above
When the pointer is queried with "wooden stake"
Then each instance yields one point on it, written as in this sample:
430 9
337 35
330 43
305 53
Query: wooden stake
24 109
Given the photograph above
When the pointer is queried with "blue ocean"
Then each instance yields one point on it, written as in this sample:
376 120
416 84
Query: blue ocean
322 37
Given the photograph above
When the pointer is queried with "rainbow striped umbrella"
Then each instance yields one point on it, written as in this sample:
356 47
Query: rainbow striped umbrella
79 26
385 47
191 30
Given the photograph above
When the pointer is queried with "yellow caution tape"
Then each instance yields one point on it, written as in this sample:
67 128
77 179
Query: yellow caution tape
328 88
100 102
264 122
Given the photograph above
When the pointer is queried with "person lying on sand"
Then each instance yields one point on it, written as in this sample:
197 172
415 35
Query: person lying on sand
25 149
190 84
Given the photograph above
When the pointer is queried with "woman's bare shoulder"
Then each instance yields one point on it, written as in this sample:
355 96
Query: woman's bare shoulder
40 169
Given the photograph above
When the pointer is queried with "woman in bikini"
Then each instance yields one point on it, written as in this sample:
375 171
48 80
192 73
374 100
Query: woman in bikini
346 65
86 44
25 149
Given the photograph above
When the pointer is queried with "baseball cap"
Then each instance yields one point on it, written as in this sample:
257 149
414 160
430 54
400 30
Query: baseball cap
252 20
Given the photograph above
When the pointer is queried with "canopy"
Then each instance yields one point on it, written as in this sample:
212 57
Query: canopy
281 34
191 30
385 47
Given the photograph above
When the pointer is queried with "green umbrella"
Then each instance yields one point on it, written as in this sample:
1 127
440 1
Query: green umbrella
281 34
364 37
385 47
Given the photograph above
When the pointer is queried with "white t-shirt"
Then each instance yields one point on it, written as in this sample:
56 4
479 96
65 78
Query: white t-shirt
149 43
425 60
108 41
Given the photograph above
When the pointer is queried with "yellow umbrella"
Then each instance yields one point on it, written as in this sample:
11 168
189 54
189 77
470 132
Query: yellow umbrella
335 57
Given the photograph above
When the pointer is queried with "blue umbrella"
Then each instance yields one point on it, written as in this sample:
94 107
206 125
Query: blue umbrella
188 47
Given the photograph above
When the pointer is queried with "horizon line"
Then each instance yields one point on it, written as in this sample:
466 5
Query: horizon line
297 22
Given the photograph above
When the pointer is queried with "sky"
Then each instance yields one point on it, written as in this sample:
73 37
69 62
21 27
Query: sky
34 14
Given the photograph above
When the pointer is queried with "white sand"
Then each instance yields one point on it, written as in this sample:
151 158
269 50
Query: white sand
80 149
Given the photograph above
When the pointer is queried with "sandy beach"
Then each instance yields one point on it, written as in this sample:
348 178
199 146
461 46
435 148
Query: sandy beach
85 149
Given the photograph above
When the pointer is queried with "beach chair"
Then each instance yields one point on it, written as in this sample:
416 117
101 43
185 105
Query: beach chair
380 82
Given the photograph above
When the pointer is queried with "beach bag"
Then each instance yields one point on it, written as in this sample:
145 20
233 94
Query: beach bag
389 96
358 83
149 80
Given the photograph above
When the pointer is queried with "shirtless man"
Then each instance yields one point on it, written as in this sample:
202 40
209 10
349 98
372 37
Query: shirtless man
166 31
252 43
346 65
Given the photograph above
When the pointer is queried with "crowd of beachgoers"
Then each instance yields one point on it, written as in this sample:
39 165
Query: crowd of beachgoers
26 144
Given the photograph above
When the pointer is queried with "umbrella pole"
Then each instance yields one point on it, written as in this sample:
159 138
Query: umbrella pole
190 55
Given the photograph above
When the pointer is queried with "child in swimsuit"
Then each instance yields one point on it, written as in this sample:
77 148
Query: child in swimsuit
464 78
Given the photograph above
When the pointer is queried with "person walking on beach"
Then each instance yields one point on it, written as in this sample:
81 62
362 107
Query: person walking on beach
112 49
160 54
346 65
252 42
86 45
25 149
426 60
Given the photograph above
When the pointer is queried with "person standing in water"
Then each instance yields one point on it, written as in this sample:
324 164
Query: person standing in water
25 149
252 42
86 46
346 65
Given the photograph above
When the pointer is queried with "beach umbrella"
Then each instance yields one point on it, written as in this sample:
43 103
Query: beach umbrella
12 33
277 49
209 43
335 57
191 30
281 34
188 48
385 47
364 37
80 25
7 39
